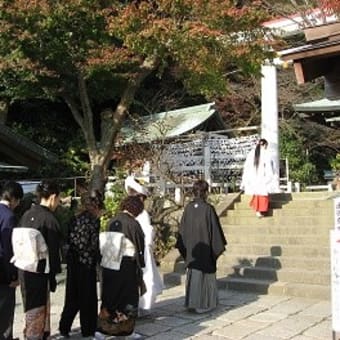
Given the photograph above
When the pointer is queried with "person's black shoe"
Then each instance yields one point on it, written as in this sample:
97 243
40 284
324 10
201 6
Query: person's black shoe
65 334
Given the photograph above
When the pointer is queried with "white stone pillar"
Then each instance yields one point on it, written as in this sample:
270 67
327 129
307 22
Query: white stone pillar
207 164
178 195
269 112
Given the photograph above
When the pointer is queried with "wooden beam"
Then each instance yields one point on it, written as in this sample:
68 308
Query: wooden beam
310 69
311 53
322 32
299 73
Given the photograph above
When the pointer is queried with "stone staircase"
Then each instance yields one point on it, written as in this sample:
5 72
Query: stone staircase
285 253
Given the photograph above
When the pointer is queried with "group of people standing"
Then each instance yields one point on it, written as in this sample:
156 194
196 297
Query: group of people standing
30 257
129 278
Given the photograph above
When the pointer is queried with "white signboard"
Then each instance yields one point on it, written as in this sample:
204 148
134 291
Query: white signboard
219 155
335 278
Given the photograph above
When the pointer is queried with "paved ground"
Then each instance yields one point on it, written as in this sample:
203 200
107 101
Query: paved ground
239 316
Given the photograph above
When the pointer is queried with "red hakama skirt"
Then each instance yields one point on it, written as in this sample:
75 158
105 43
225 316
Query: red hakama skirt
260 203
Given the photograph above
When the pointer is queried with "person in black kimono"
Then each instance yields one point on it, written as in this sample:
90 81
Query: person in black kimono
121 288
200 242
36 286
82 259
11 194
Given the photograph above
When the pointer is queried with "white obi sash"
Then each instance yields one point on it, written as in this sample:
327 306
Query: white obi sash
29 247
113 246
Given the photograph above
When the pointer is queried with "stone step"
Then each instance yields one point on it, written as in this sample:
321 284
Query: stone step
276 287
318 204
307 211
235 236
318 277
308 195
262 280
286 253
262 250
267 229
297 196
276 262
326 220
228 260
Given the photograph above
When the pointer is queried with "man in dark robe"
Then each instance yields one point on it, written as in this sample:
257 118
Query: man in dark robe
200 242
10 197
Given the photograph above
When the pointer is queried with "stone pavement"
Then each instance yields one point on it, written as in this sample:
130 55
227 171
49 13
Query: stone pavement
239 316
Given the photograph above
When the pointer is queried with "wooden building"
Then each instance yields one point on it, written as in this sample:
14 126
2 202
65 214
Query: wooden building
320 57
187 144
19 154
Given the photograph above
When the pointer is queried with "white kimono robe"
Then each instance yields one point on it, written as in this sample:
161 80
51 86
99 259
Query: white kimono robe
264 179
151 276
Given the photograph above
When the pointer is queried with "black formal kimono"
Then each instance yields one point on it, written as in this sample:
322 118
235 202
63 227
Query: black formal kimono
36 287
200 242
8 273
121 288
81 280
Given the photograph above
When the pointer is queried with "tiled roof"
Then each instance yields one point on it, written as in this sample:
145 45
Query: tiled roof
321 105
169 124
22 150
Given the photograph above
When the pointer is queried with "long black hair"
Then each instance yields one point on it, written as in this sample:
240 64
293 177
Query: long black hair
261 142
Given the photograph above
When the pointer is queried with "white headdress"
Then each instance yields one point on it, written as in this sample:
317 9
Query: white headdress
131 183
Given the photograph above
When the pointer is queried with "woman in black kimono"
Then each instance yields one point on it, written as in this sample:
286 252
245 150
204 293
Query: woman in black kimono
121 287
82 259
36 286
200 242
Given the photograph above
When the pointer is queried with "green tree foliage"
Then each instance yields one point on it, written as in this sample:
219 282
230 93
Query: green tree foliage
113 198
293 147
89 53
335 163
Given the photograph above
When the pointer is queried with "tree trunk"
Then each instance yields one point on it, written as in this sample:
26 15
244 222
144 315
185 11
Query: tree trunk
100 152
98 176
3 111
111 121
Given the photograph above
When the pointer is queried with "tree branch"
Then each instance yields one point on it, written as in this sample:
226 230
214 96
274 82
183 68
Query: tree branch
87 111
108 138
75 111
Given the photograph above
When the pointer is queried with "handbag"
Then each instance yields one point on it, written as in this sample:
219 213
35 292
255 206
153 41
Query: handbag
107 325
